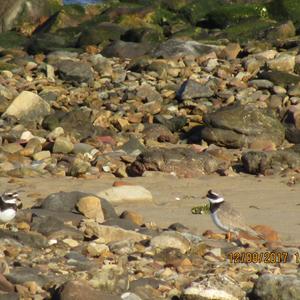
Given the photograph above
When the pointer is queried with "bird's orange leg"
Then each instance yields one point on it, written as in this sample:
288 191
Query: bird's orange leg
228 236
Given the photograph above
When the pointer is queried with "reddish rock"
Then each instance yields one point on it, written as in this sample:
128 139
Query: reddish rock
133 216
268 233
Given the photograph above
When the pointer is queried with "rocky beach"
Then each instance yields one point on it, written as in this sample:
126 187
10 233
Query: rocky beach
116 118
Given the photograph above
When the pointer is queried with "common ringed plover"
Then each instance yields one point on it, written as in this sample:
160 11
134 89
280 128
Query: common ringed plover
226 217
9 203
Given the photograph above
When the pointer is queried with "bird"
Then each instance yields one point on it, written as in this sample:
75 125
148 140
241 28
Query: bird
9 204
226 217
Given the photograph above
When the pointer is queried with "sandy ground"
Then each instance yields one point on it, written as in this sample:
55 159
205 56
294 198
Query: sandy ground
264 200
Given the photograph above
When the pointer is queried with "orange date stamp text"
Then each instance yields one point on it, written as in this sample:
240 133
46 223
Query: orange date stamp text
268 257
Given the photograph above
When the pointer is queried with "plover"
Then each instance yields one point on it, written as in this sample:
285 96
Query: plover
9 204
226 217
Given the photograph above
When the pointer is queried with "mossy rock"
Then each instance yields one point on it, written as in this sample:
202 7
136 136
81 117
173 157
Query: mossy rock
231 14
196 11
12 39
191 32
7 66
175 5
248 30
26 14
163 16
285 9
142 35
100 34
48 42
116 11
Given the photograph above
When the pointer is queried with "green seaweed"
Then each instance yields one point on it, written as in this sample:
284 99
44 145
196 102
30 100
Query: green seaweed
235 13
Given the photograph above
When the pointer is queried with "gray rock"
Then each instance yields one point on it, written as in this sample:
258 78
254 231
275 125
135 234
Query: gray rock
158 132
125 49
54 228
82 148
283 287
19 275
31 239
9 296
180 48
111 279
280 77
75 72
259 162
147 92
192 89
133 146
62 145
239 126
78 123
261 83
66 202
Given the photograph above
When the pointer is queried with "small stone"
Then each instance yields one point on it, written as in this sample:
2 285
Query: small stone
231 51
41 155
55 133
130 296
90 207
191 89
62 145
70 242
95 249
134 217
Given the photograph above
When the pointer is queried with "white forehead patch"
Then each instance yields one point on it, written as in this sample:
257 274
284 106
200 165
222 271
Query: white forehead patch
217 200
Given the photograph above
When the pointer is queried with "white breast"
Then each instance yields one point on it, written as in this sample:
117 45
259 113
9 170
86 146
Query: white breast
218 222
7 215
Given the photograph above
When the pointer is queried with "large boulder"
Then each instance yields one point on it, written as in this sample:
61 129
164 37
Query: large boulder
271 162
19 12
238 126
101 33
48 42
184 162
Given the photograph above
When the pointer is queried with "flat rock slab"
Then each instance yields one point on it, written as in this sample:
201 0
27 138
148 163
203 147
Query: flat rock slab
126 193
110 233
